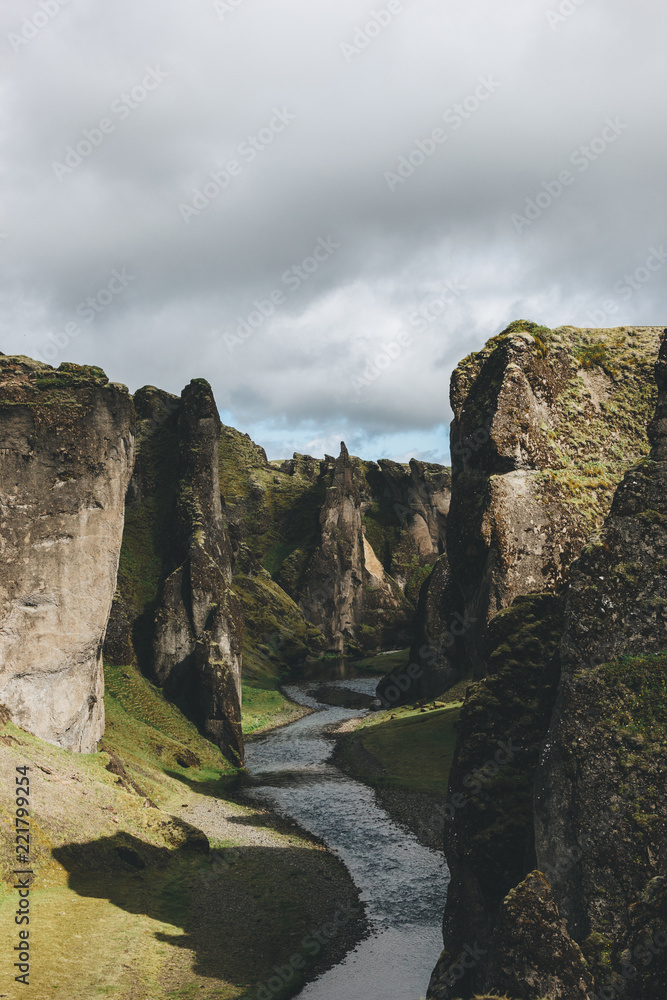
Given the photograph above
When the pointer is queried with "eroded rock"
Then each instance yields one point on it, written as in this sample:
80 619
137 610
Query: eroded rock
175 610
66 456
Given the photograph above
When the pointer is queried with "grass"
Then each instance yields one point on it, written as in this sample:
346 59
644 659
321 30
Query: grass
414 746
382 663
264 709
128 902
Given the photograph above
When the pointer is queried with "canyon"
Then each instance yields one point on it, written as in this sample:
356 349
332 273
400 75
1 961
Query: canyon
143 538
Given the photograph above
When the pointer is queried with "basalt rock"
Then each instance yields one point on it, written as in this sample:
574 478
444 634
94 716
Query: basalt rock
347 590
393 531
591 919
489 835
545 425
175 609
601 789
532 953
66 456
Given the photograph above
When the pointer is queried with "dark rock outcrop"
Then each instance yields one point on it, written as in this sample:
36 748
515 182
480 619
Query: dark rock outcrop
532 952
545 425
66 456
587 917
175 609
601 789
489 837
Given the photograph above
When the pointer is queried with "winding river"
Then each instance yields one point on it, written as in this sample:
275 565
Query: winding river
403 885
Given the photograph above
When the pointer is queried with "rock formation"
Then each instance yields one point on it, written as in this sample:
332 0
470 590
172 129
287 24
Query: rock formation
349 542
601 787
586 916
545 425
489 818
175 609
66 456
347 591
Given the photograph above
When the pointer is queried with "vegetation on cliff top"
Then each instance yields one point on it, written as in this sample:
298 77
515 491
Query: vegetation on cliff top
599 404
56 396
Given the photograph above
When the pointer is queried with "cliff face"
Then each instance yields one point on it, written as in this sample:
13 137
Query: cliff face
581 912
175 609
66 456
348 542
601 788
488 834
346 587
545 425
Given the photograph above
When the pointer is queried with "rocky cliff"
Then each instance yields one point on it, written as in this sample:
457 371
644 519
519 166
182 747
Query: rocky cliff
330 554
346 591
601 786
66 456
175 610
558 856
546 422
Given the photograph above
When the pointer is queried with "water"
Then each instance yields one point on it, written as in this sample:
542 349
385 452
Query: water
403 884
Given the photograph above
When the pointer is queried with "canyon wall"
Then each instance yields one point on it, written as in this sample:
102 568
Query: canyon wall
546 422
66 456
175 610
556 830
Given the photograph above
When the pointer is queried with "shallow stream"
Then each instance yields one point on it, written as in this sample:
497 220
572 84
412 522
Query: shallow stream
403 884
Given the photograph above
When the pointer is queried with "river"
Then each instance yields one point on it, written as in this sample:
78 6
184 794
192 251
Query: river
403 884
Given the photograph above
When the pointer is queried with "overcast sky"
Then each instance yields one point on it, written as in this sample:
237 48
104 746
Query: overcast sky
375 216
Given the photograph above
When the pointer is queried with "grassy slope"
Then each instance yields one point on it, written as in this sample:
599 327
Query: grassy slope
411 749
264 710
104 926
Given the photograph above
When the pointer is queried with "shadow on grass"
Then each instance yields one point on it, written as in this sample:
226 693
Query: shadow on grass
217 788
241 911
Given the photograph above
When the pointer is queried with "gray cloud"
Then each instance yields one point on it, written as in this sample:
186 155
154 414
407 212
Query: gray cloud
520 92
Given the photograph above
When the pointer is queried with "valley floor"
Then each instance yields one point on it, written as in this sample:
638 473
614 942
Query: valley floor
128 901
405 754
